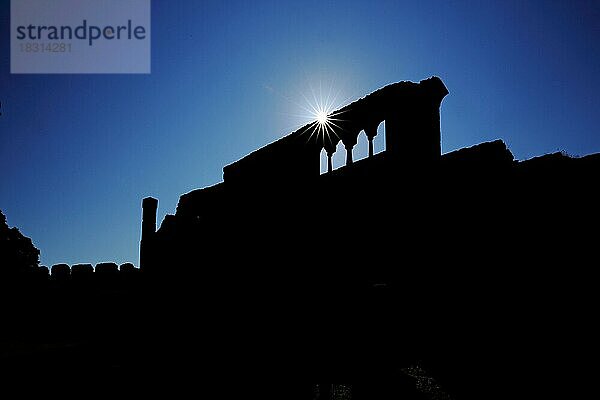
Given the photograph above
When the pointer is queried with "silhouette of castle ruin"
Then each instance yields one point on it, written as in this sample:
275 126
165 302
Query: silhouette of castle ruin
288 170
384 261
404 259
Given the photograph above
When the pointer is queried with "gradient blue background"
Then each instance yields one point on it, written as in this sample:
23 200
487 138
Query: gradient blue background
79 152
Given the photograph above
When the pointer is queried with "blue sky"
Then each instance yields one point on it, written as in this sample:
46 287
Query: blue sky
79 152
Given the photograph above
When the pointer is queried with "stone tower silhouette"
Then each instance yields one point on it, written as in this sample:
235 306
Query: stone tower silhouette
149 207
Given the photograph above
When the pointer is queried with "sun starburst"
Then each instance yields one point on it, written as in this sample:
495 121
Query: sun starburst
322 117
325 120
316 110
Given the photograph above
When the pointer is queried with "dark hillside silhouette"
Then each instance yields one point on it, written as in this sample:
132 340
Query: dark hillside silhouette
466 274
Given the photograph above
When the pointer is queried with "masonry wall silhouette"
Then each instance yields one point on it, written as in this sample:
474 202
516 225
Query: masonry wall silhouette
468 264
289 168
388 259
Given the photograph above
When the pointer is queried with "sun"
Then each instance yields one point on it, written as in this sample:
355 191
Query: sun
322 117
325 119
318 113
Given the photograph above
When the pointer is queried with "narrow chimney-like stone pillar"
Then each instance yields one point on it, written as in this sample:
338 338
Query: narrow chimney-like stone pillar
149 207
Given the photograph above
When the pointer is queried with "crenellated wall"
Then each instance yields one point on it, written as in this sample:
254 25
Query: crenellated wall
86 273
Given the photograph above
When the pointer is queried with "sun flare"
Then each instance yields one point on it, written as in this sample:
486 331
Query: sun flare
325 120
322 117
318 113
